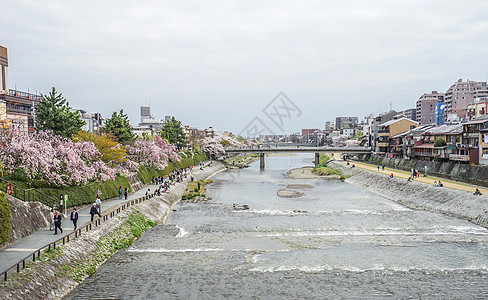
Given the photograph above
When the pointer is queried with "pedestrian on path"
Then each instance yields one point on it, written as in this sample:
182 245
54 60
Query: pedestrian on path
57 222
120 192
99 194
125 193
94 211
51 219
74 218
383 167
378 166
98 204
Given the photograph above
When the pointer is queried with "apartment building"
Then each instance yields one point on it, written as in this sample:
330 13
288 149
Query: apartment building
426 105
17 108
461 94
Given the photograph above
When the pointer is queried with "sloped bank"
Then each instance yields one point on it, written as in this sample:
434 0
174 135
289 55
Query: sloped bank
419 195
62 269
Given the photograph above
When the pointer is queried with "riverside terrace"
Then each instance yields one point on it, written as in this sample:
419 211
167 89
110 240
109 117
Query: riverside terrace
262 150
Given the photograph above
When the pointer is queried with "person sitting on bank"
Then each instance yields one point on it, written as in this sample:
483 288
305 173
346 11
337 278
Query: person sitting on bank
440 184
391 175
435 183
477 192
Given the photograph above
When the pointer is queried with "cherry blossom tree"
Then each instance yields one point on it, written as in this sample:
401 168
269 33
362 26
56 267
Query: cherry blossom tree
46 156
152 153
212 147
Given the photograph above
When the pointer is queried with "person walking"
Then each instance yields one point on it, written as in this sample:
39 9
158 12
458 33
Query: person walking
74 218
57 222
125 193
99 194
98 204
51 220
94 211
120 192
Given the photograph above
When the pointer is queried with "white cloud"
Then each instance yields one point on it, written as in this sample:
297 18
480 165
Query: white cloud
193 58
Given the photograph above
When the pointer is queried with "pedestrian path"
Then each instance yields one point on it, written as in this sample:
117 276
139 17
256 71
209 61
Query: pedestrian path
17 251
405 175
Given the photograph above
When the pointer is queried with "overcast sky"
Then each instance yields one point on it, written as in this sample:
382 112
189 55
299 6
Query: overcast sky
219 63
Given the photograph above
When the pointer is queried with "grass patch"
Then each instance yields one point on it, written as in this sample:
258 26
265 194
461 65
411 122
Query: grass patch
192 190
120 238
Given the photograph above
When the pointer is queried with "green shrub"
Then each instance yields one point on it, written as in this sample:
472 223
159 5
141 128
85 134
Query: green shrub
5 226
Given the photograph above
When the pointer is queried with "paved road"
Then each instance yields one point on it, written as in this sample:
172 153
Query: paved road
17 251
404 174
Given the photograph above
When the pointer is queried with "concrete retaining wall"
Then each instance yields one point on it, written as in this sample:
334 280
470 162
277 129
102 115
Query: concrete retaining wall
419 195
477 175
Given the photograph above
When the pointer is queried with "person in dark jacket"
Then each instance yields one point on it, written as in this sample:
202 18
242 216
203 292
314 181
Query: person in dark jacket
74 218
57 222
94 211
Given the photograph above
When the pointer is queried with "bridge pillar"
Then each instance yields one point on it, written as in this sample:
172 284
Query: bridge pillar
261 160
317 159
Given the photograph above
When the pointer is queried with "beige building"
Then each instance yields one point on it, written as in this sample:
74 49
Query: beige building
3 71
387 130
17 108
478 108
461 94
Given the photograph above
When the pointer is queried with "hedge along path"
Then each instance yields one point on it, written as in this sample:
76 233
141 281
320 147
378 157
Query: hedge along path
405 175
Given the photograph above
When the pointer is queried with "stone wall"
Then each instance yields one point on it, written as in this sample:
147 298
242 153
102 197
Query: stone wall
419 195
49 278
25 218
461 172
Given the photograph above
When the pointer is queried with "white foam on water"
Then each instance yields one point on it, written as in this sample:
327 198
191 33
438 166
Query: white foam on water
174 250
321 268
399 232
182 232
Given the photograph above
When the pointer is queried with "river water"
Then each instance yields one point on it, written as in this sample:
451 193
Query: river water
336 241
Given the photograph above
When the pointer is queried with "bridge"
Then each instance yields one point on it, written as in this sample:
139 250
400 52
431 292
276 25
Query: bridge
262 150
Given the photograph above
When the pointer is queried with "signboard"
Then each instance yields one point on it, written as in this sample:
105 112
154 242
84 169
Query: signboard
439 113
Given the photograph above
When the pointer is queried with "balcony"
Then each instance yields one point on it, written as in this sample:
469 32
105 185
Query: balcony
424 154
459 157
21 94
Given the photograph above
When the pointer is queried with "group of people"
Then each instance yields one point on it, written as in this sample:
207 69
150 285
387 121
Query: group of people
438 183
175 176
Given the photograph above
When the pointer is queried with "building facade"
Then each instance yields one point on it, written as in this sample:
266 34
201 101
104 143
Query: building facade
17 108
461 94
425 107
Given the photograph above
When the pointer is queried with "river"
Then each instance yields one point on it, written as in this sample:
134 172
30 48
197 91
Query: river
336 241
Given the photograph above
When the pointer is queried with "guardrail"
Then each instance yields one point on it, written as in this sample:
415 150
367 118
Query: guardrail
28 195
85 228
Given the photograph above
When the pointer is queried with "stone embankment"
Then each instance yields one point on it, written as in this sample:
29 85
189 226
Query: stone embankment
477 175
61 270
419 195
25 218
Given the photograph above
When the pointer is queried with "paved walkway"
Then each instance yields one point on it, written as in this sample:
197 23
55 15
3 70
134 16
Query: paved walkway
20 249
404 174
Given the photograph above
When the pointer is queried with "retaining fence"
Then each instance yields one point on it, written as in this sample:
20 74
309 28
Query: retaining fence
28 195
78 232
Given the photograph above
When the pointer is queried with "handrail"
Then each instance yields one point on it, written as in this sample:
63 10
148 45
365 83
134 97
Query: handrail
28 195
87 227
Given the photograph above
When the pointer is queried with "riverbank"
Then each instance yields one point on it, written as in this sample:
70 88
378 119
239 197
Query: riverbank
418 195
58 271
